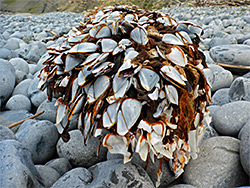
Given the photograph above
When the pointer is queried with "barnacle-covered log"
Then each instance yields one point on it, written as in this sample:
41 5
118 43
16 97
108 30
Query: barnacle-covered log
139 75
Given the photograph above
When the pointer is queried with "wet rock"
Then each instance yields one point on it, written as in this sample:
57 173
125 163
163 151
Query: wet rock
6 133
21 68
48 175
217 163
49 110
230 118
240 89
7 79
234 54
18 102
221 77
12 116
220 97
40 138
16 167
61 165
22 88
77 177
36 96
115 173
245 147
78 153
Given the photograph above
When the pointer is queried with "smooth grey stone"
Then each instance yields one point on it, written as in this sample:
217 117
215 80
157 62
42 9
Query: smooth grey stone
16 167
6 133
18 102
12 116
36 96
75 178
22 88
220 97
5 53
152 168
221 78
37 49
245 147
234 54
49 110
61 165
209 60
183 186
40 138
230 118
41 60
78 153
115 173
12 44
247 42
244 128
20 64
7 79
241 37
240 89
48 175
210 132
218 161
32 68
16 34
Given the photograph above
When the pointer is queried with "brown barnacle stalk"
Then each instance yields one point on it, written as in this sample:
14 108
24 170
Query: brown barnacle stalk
136 74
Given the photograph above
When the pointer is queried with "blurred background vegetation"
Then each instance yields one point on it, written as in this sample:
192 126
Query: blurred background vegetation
42 6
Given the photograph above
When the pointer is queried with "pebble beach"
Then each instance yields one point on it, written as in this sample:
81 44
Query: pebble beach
32 154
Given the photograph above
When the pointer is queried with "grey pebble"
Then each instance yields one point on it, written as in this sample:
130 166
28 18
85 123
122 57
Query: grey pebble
183 186
247 42
6 133
37 49
77 177
61 165
40 138
217 163
21 68
7 79
22 88
245 147
49 109
78 153
48 175
220 97
240 89
5 53
18 102
16 167
230 118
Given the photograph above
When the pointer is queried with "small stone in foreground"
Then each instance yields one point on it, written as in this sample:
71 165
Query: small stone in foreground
6 133
218 164
77 177
18 102
240 89
245 148
230 118
61 165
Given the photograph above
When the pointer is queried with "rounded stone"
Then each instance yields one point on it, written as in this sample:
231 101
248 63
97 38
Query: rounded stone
5 53
220 97
22 88
222 77
78 153
234 54
230 118
49 109
245 147
48 175
240 89
114 173
12 44
7 79
217 163
37 49
61 165
182 186
77 177
18 102
6 133
40 138
21 68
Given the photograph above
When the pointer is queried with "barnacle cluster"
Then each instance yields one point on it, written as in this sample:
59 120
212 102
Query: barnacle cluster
138 75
